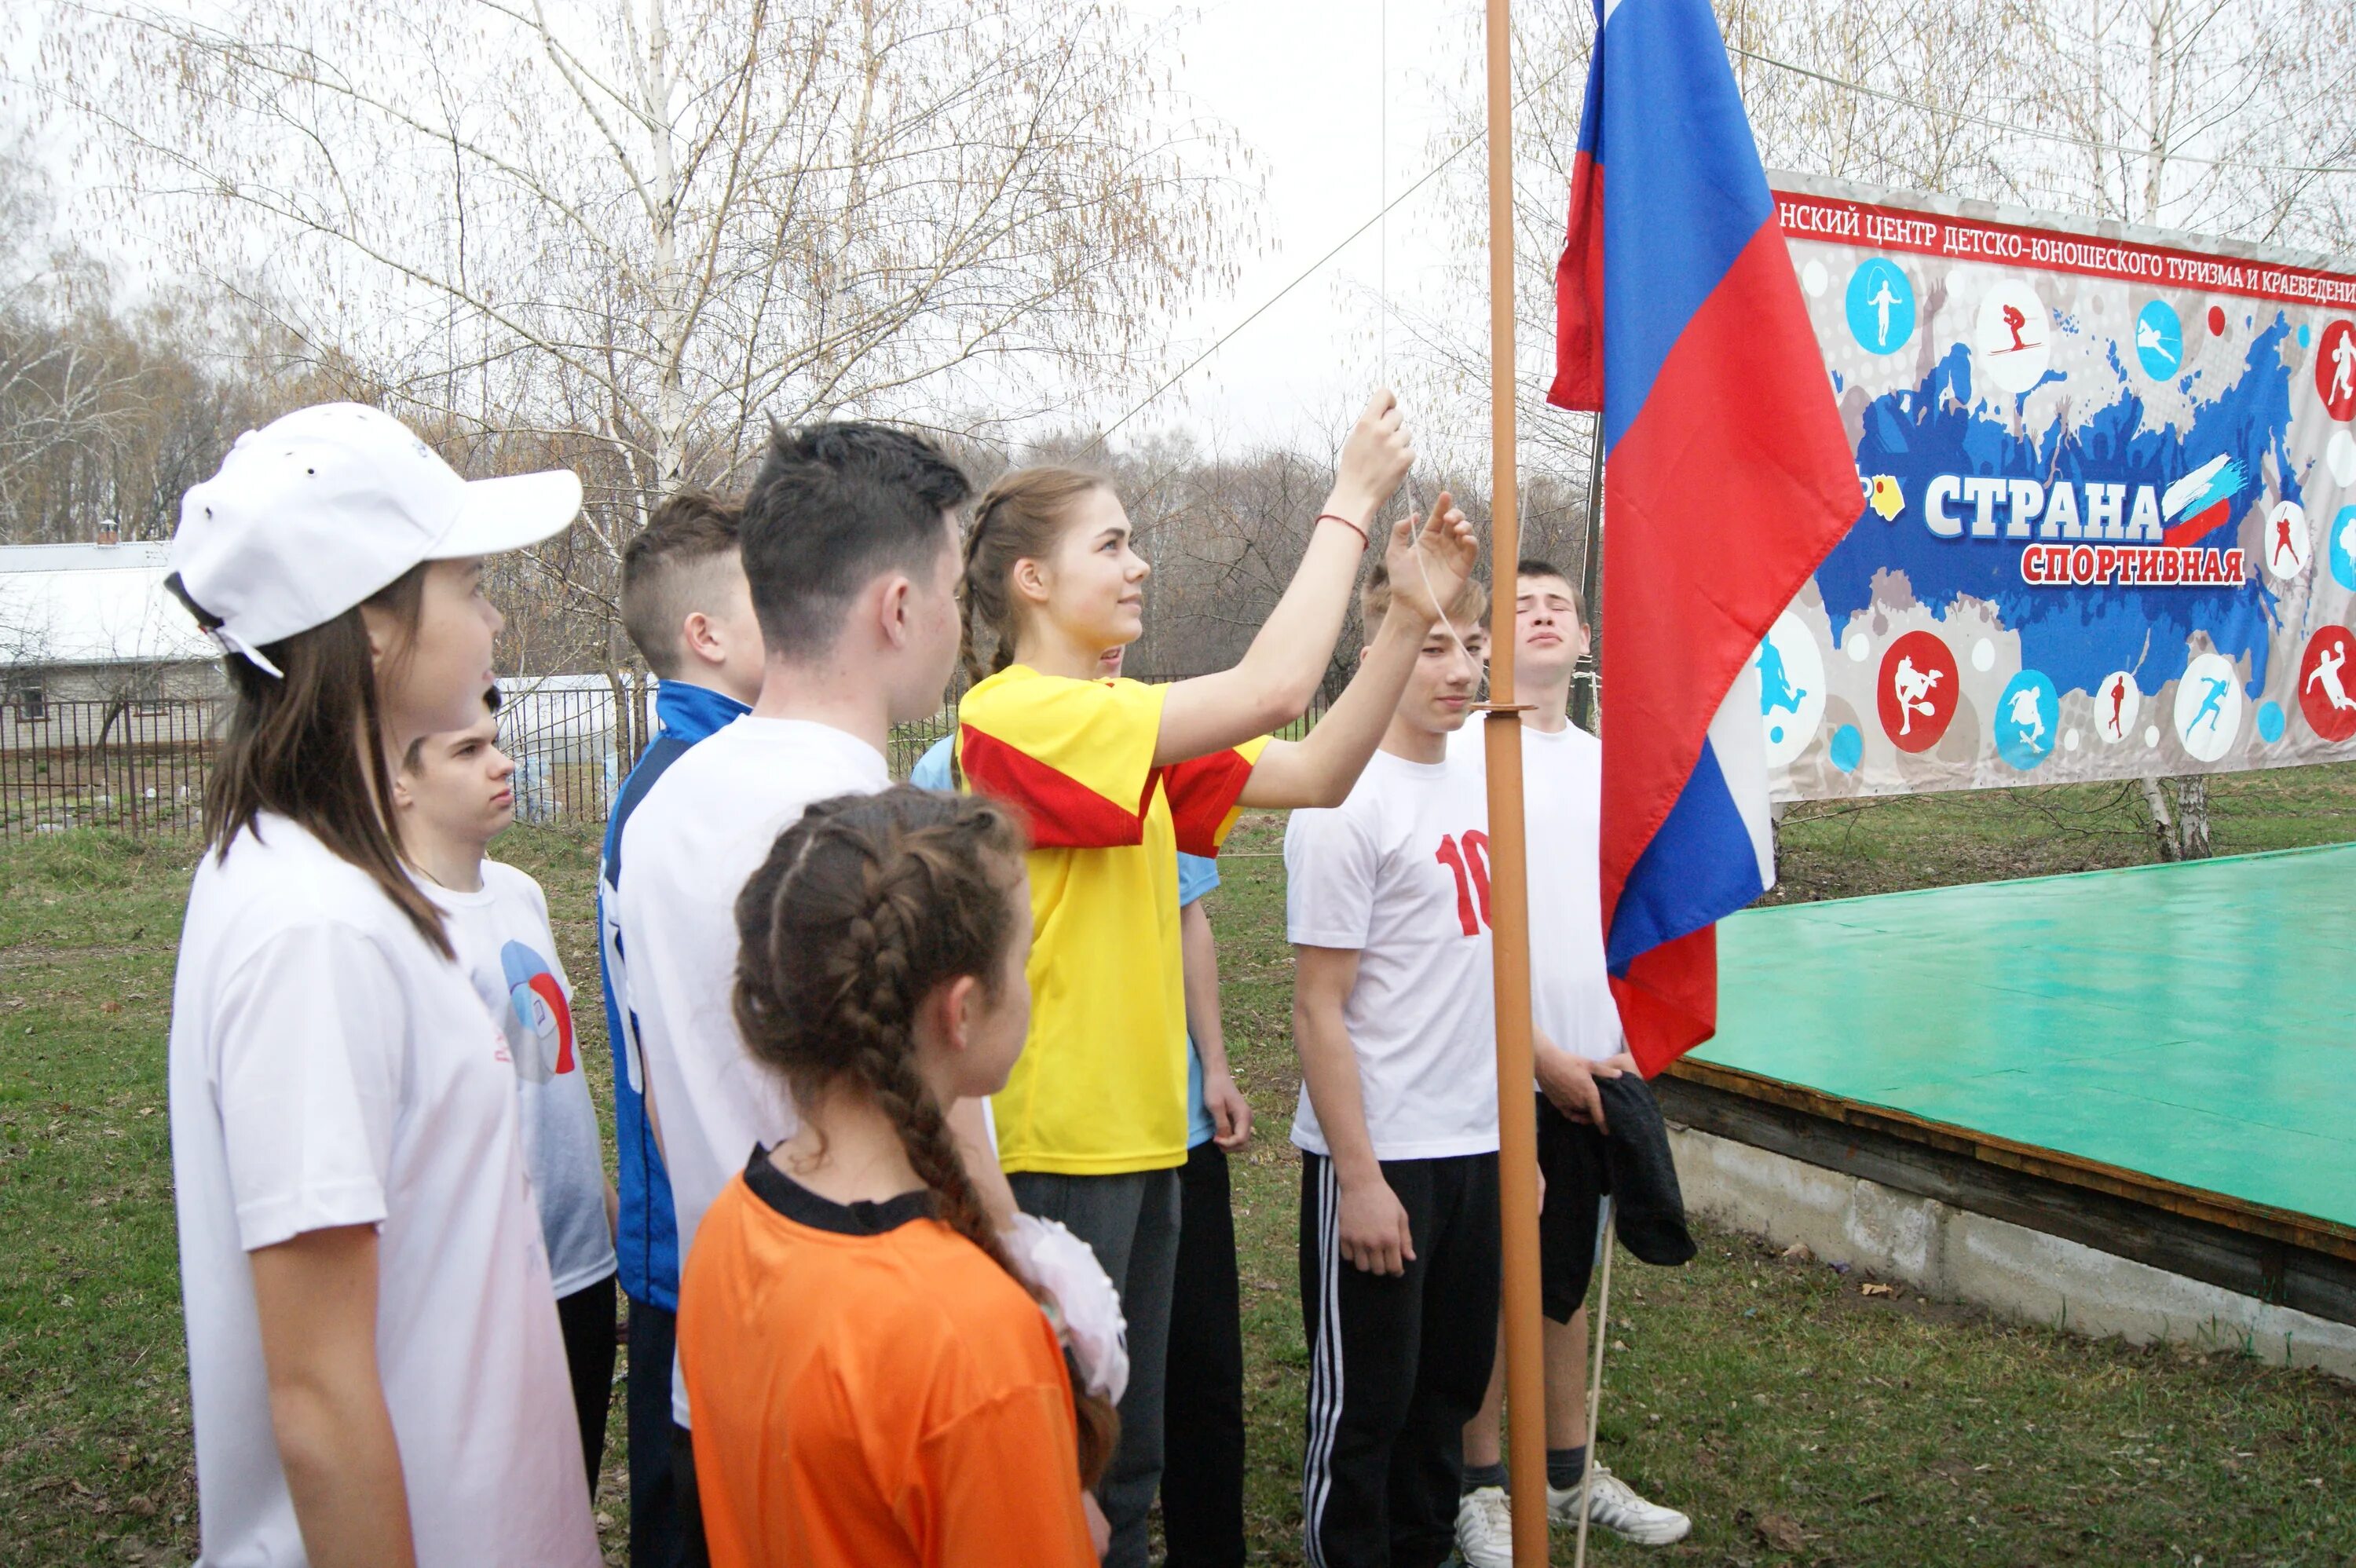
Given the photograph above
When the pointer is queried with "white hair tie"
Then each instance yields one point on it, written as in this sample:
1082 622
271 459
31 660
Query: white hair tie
1081 1301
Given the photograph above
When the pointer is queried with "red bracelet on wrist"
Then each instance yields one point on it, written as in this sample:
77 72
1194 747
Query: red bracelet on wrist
1364 541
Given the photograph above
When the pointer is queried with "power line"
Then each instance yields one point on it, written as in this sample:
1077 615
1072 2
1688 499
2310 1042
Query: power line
1429 174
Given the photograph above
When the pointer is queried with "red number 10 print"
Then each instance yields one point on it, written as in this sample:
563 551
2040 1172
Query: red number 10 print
1471 864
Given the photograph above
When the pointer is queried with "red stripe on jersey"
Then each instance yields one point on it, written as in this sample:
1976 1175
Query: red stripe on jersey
1201 793
1060 812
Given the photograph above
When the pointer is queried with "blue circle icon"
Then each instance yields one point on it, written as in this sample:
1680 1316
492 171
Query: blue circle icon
2270 722
2025 719
2342 540
2304 337
1880 307
1847 748
2160 341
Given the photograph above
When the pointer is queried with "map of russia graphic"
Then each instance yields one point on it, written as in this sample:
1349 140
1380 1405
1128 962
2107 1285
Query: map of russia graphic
2109 475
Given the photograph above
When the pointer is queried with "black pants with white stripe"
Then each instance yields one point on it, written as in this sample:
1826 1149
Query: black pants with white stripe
1397 1364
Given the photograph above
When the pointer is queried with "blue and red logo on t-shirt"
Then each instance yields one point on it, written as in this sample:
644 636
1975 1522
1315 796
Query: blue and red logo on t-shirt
538 1021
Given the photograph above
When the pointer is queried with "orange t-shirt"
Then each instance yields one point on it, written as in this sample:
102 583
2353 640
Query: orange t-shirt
870 1391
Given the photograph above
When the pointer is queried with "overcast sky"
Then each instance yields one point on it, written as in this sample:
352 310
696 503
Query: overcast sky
1302 81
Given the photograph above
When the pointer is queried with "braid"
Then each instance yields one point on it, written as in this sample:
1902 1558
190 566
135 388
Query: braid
863 909
1020 518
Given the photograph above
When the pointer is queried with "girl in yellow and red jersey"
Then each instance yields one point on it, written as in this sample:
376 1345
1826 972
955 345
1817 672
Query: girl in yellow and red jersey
1112 777
874 1385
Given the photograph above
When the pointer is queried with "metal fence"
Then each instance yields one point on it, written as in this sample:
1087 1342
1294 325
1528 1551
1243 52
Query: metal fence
138 767
142 767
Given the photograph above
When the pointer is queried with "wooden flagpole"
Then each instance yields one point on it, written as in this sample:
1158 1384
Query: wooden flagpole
1517 1136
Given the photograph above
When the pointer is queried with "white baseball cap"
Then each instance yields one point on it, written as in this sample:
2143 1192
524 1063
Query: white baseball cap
315 511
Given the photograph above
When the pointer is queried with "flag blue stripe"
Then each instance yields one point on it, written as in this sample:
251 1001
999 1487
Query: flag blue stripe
1699 868
1684 191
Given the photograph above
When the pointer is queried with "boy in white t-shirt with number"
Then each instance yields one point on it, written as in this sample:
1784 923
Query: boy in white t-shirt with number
452 794
1387 911
1578 1039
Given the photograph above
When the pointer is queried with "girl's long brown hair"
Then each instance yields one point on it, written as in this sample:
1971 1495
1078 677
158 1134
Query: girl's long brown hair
862 908
1018 519
309 745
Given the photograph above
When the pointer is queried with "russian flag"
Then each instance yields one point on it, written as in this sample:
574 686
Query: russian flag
1727 480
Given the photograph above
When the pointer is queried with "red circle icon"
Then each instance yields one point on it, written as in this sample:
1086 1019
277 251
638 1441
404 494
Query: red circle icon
2335 368
2216 321
1917 695
2327 683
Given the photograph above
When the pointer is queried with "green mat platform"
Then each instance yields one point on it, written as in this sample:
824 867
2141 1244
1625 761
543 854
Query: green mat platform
2194 1023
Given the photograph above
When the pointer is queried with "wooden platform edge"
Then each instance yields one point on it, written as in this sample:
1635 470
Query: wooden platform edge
2286 1259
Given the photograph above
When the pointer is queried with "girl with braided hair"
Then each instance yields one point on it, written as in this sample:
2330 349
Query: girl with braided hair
874 1382
1113 778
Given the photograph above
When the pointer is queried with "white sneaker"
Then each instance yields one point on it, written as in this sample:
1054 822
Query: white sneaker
1614 1504
1485 1529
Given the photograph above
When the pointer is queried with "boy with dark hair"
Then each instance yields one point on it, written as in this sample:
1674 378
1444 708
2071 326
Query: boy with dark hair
1393 1017
1578 1039
850 543
688 610
452 795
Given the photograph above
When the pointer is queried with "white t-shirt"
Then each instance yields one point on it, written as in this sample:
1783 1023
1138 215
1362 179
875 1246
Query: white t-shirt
692 844
1399 871
329 1068
1562 792
504 943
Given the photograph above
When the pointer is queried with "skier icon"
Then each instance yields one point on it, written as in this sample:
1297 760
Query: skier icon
2327 671
2343 367
2118 701
2212 706
1912 688
2283 541
1881 299
1775 687
2025 712
2013 322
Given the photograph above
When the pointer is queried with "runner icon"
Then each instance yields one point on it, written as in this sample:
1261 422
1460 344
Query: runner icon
2118 701
1913 690
2283 541
2024 711
2343 369
2211 705
2326 672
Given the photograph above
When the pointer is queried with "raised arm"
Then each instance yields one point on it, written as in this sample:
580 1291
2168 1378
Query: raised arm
1374 1227
1321 769
1279 673
315 1297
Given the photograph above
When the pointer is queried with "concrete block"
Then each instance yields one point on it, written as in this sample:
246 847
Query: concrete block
2018 1273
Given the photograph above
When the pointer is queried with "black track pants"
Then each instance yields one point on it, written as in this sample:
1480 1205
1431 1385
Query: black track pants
1397 1364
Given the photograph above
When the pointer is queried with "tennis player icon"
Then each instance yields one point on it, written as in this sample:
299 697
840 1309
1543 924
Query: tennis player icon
2326 673
2212 706
2343 369
2024 712
1912 688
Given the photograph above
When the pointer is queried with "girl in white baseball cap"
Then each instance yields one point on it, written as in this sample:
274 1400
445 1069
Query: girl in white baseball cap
376 1369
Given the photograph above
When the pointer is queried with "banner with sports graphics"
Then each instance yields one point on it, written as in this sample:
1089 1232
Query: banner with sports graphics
2109 479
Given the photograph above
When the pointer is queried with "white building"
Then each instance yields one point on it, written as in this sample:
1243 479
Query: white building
89 639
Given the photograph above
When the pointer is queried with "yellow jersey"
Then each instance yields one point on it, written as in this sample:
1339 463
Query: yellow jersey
1100 1088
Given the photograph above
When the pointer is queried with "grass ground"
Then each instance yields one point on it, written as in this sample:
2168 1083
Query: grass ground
1797 1419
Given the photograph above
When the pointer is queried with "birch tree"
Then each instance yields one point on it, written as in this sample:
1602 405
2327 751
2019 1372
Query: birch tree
627 234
